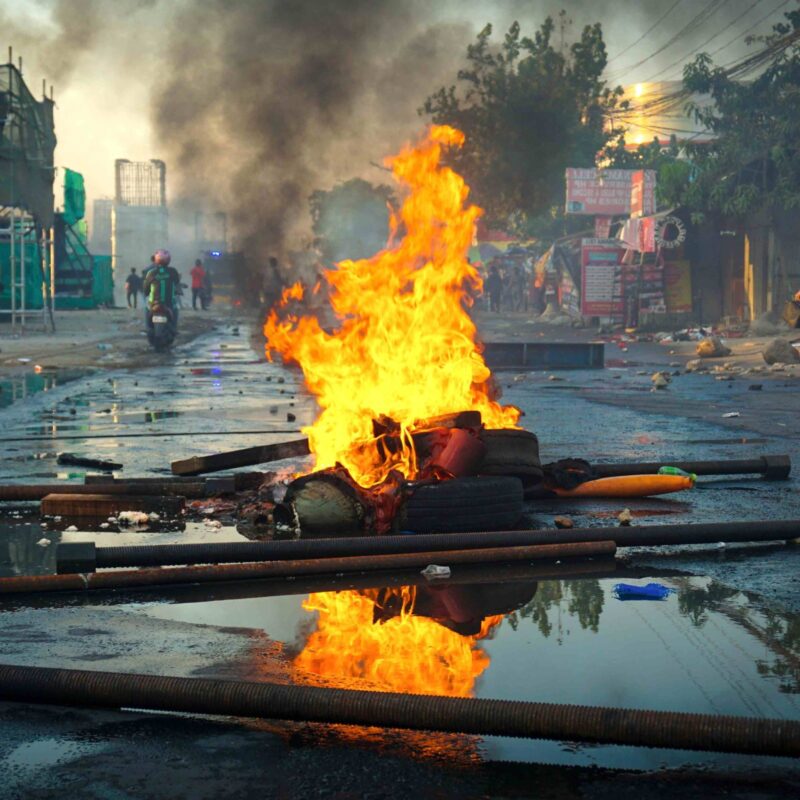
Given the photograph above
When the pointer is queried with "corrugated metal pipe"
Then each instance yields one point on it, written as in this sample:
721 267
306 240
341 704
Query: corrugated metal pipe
119 579
726 734
87 557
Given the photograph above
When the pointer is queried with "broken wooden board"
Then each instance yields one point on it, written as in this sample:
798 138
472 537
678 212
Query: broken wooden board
22 492
105 505
247 457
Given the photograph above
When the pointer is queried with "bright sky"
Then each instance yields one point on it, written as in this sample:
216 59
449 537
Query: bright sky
102 108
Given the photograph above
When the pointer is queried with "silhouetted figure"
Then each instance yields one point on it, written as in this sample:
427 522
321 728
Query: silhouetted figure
133 285
494 288
198 281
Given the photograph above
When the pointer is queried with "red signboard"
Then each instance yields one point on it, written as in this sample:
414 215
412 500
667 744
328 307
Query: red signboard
602 227
637 193
601 261
608 191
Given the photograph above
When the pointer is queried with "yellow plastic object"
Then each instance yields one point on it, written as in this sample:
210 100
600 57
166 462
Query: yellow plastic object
629 486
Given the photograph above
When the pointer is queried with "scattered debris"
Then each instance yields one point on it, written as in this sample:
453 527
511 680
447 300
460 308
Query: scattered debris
563 522
625 517
650 591
212 523
70 459
554 378
435 572
661 380
43 542
696 365
780 351
712 347
104 525
731 414
767 324
132 518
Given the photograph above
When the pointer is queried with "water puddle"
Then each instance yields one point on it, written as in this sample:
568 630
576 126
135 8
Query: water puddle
707 648
22 386
553 633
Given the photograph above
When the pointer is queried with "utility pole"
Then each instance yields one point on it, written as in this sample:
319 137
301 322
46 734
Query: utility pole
564 22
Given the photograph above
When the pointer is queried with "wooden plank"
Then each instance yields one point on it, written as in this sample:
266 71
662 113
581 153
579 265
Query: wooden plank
105 505
247 457
22 492
194 487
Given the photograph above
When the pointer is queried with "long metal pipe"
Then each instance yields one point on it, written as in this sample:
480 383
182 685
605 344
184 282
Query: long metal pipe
275 569
596 724
239 552
469 574
773 468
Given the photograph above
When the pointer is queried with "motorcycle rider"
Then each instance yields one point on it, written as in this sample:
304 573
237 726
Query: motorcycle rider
161 283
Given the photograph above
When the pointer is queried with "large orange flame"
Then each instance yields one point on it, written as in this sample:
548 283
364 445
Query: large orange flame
405 347
406 653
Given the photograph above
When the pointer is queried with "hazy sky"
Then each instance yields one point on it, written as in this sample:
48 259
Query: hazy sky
108 60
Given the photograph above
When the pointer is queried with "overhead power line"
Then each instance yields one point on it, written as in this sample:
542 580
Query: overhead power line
647 32
740 36
708 10
735 70
701 46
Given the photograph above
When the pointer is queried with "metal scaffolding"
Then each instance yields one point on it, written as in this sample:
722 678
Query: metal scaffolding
30 256
27 144
140 183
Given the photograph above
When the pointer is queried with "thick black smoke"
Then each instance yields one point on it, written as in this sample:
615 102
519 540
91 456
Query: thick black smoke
262 101
259 103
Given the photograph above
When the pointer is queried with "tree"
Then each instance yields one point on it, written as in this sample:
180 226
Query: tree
351 220
753 163
529 111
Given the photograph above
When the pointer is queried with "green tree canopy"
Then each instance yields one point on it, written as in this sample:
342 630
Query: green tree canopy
529 111
754 161
351 220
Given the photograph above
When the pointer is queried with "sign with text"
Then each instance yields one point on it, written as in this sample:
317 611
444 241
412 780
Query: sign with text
637 193
608 191
601 263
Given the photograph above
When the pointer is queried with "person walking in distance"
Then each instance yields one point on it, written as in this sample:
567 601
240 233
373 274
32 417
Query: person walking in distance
198 285
133 285
494 288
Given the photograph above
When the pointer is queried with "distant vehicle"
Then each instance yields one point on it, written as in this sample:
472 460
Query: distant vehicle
228 273
162 332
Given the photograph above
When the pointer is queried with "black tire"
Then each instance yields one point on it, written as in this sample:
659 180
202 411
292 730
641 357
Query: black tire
464 504
512 452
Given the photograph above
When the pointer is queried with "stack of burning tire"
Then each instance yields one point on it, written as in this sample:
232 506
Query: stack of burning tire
471 479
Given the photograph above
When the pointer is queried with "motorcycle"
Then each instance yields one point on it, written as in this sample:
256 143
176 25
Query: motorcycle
162 330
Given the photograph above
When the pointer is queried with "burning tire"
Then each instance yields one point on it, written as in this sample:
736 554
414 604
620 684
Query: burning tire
512 452
463 504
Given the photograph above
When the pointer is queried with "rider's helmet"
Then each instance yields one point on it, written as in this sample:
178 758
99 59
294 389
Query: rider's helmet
162 257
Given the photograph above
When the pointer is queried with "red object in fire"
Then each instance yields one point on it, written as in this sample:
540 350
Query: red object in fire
456 451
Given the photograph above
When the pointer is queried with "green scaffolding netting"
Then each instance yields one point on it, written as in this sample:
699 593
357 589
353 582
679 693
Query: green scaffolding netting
74 197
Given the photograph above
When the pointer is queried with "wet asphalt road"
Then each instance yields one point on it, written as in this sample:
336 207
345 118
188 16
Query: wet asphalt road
727 641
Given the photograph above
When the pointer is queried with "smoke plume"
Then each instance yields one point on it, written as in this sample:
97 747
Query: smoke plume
261 103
